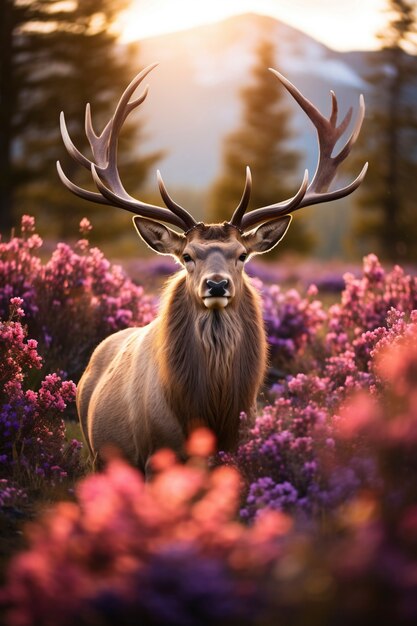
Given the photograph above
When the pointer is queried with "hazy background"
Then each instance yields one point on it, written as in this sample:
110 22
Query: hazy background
208 100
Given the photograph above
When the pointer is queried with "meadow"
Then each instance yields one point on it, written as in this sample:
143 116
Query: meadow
313 521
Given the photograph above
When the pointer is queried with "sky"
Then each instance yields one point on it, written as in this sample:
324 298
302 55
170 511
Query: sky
340 24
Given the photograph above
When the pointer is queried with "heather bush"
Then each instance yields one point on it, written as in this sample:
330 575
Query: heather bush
172 552
292 323
80 290
304 337
33 445
366 302
73 300
289 456
314 515
11 495
277 458
376 556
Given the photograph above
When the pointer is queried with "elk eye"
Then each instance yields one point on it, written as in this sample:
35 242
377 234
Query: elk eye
186 258
243 257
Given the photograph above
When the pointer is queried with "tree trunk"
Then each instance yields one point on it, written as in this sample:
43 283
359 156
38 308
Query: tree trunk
394 248
6 115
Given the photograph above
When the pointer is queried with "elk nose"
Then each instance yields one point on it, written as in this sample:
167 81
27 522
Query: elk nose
217 290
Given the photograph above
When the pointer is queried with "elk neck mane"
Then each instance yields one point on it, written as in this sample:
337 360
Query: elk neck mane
204 355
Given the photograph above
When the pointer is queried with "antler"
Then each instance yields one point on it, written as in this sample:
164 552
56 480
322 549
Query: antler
316 192
104 166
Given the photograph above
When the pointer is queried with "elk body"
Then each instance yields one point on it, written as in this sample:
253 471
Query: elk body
203 359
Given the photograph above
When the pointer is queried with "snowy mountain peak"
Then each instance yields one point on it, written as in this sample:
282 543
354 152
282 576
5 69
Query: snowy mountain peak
201 73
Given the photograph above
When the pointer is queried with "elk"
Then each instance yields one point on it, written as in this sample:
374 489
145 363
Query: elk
203 358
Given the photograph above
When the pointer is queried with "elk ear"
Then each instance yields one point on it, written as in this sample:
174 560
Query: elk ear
266 236
159 237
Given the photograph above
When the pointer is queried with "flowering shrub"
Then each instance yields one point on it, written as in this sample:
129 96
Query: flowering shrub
304 337
366 302
172 553
32 431
378 547
316 512
277 457
286 455
291 321
77 289
282 454
10 495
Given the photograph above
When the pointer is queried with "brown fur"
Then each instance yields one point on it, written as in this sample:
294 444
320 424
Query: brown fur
211 362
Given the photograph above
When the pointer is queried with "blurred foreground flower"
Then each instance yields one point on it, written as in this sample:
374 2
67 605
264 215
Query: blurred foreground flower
172 553
166 553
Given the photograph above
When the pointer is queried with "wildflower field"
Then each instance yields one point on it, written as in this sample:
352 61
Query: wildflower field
313 521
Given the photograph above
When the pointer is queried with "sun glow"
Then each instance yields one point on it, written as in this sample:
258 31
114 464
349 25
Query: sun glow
340 25
146 19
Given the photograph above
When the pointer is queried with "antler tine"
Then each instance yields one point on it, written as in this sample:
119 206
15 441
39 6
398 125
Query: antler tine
71 149
172 205
244 201
79 191
275 210
105 145
319 198
109 172
104 165
146 210
106 196
327 167
100 143
328 133
355 133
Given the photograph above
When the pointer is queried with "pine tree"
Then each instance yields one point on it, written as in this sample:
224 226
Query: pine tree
262 143
388 197
57 56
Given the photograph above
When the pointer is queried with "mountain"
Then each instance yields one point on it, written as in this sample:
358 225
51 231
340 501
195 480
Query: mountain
194 95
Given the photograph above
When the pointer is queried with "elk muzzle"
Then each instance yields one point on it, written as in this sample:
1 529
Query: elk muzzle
216 292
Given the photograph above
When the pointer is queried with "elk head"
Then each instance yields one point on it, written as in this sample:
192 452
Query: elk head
213 255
